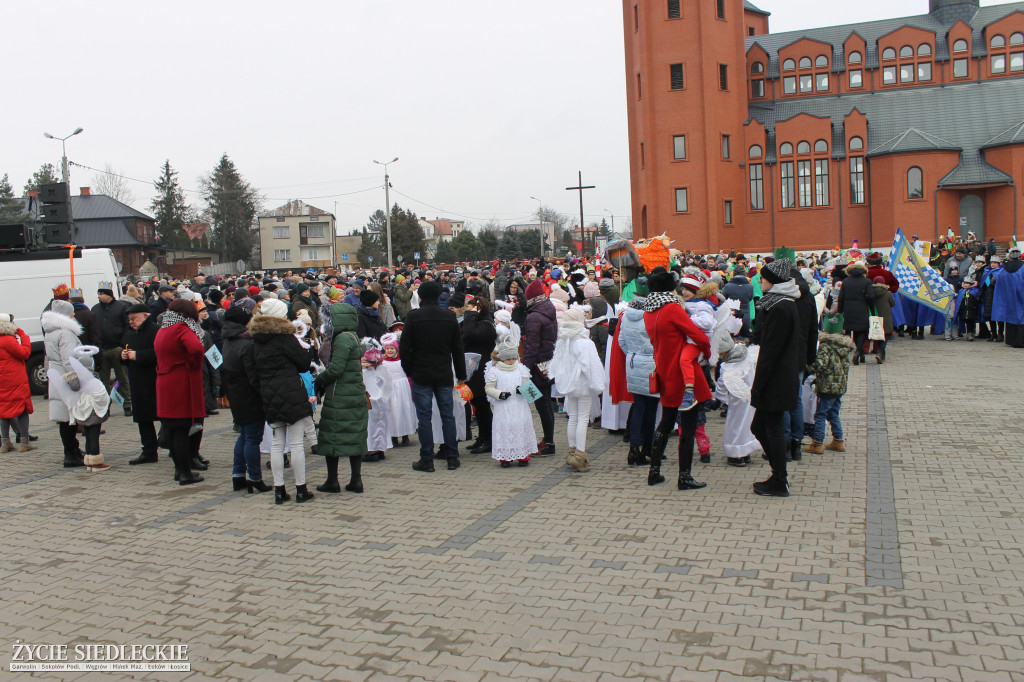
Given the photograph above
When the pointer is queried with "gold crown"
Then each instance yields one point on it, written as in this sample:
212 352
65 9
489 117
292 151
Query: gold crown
75 293
105 285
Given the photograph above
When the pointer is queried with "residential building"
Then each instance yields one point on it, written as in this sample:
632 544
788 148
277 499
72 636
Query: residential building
346 250
439 230
295 236
742 138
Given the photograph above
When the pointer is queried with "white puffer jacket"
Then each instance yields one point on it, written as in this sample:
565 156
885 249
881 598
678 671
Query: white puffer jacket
60 339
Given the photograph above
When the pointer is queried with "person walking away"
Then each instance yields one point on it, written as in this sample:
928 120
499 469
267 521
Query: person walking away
430 347
855 299
632 341
884 302
15 394
578 374
139 359
240 382
479 336
112 321
540 334
831 368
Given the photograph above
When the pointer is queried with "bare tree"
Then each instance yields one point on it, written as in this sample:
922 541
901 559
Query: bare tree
112 183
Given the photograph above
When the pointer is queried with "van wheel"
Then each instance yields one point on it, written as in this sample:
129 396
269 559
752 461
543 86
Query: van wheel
37 380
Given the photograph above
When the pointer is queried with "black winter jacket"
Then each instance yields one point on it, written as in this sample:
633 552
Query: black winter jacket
280 359
430 344
808 328
777 376
478 335
370 325
855 298
239 375
142 370
112 319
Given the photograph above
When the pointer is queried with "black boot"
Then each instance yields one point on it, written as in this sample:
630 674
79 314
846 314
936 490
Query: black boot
281 494
331 485
355 485
198 464
144 458
302 495
654 476
686 481
633 456
238 483
794 450
257 486
74 461
644 458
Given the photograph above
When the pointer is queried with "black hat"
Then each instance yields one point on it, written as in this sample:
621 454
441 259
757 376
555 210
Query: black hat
165 287
430 291
237 313
778 271
368 298
457 300
138 308
660 279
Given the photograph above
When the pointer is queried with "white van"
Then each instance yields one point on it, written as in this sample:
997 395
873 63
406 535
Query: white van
27 281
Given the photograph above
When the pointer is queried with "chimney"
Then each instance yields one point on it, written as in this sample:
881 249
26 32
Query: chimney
84 191
33 193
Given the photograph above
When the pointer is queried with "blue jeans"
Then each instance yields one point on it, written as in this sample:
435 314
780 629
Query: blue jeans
641 422
793 421
828 410
422 398
247 452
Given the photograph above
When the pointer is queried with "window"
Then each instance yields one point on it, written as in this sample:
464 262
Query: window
725 146
673 9
821 61
889 75
788 198
924 50
788 65
1017 39
682 205
805 62
757 67
803 147
821 182
643 159
755 151
789 85
822 82
728 212
679 147
960 45
806 83
636 18
1017 61
311 231
856 178
313 254
959 68
803 172
856 78
676 72
821 147
756 187
639 88
906 51
280 220
786 149
856 143
723 77
915 183
924 71
888 53
721 9
757 87
282 255
907 73
998 41
999 63
854 58
282 232
750 31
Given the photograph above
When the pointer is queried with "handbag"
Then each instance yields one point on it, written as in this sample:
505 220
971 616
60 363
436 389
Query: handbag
876 326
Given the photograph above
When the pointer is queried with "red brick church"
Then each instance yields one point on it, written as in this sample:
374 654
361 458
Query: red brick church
742 138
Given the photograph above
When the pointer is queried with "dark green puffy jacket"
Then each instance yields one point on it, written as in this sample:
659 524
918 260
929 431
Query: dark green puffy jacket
344 415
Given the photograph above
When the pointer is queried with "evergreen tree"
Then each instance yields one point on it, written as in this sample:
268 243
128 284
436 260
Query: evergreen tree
603 230
46 175
489 237
170 209
232 205
466 247
444 253
12 209
508 247
370 247
406 234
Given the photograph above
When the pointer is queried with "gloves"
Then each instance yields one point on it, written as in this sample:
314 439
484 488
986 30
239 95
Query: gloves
504 395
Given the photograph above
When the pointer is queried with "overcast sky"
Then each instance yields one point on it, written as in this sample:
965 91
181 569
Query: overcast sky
485 103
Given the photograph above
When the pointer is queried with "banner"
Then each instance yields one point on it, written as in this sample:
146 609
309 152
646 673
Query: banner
919 281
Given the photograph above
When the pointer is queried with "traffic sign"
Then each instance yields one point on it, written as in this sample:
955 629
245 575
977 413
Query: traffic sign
369 258
416 255
344 256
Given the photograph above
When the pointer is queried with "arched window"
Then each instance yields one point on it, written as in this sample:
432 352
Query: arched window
1017 39
820 147
854 58
788 65
924 50
755 151
915 183
856 143
803 147
822 60
786 149
888 53
960 45
906 51
757 67
805 62
998 41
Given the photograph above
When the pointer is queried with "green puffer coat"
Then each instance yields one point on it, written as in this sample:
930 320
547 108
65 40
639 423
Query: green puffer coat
832 364
344 415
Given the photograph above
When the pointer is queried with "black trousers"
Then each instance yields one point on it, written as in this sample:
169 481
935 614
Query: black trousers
484 416
69 439
769 430
147 434
546 412
687 431
996 328
859 339
183 447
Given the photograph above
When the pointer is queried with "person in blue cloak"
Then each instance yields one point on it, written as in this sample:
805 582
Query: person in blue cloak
1008 300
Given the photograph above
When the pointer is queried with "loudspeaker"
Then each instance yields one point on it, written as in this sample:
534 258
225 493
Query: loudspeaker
15 236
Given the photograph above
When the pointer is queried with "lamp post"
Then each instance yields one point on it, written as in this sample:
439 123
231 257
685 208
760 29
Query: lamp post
613 220
64 151
387 201
540 219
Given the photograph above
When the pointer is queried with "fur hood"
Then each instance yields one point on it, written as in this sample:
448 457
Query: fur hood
880 290
271 325
8 329
708 291
855 269
837 340
51 321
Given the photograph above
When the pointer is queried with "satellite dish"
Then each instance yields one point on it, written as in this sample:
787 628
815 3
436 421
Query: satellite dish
120 267
239 266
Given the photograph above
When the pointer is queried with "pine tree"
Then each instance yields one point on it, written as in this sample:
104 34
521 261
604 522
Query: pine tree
46 175
12 210
444 253
169 208
232 205
407 236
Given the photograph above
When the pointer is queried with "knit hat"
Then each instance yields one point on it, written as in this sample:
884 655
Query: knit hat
253 290
693 281
246 304
874 258
237 313
368 298
558 293
606 283
272 307
591 289
878 280
334 293
507 350
533 290
457 300
63 307
503 316
389 340
661 280
301 288
641 287
778 271
430 291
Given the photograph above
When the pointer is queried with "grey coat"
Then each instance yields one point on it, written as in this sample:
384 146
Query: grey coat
60 339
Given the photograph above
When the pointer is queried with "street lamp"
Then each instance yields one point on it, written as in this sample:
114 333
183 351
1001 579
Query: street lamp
613 220
540 219
387 201
64 150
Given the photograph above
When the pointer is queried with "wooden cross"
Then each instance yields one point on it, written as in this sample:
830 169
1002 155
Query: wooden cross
583 235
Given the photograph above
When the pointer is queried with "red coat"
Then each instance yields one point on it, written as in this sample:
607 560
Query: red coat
890 279
179 373
669 327
617 371
15 396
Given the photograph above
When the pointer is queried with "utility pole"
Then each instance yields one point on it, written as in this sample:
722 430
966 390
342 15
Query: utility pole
583 232
387 202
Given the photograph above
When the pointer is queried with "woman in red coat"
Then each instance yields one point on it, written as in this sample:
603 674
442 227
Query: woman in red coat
15 396
669 328
179 386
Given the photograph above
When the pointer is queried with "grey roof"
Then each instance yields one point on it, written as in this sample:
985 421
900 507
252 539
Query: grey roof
1014 135
966 116
748 6
99 206
92 233
938 23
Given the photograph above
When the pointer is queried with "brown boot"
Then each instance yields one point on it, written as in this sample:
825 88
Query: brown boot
579 461
25 446
836 446
6 445
815 448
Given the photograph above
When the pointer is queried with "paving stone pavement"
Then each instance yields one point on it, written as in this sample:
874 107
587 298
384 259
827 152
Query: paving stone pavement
898 560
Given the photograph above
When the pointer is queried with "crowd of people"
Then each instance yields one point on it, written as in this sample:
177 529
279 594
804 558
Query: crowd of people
351 365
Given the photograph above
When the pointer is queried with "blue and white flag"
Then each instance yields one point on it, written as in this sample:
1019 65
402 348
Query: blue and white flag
919 281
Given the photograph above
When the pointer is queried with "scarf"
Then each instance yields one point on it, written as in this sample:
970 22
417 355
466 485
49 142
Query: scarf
787 291
507 368
172 318
659 299
535 300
